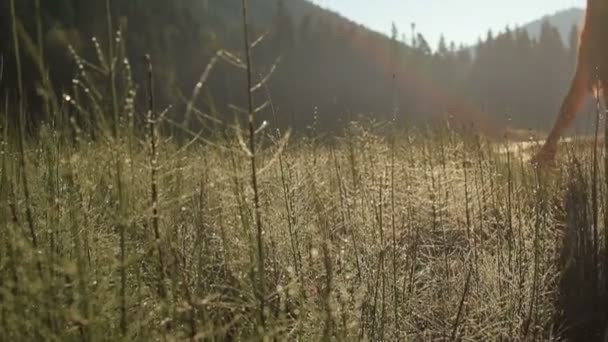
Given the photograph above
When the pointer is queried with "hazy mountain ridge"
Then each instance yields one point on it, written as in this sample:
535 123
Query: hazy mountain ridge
563 20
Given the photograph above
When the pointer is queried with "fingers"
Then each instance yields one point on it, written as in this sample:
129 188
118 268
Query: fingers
545 157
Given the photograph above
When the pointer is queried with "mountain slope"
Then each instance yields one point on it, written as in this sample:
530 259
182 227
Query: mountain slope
564 21
332 70
327 59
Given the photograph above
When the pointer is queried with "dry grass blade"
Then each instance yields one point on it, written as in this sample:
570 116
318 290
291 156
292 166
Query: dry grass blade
233 60
199 86
266 78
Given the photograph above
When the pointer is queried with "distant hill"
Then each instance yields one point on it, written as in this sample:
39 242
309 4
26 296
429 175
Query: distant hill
331 71
562 20
325 56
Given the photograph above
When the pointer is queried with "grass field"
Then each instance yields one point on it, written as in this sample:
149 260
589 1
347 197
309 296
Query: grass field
111 229
432 235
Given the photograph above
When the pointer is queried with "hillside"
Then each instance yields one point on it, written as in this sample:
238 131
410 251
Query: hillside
331 69
564 21
321 50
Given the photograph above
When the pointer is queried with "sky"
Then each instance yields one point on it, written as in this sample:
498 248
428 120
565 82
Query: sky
461 21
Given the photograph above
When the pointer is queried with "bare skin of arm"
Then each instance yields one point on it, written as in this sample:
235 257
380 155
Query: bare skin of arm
571 105
590 50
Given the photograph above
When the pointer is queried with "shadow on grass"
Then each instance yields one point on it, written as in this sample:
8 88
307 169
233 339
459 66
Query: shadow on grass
582 301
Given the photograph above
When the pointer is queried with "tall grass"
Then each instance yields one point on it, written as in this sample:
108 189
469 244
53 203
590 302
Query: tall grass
252 151
380 233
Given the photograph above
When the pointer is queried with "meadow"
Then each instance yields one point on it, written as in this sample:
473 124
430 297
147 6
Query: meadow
432 235
112 228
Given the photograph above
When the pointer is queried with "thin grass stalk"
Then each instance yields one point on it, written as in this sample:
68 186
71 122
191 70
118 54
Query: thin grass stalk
411 226
377 285
522 259
394 232
329 322
239 194
81 272
344 226
437 223
530 315
40 43
494 204
467 209
5 182
121 224
353 163
22 159
191 305
254 178
510 206
203 200
345 215
13 292
342 208
511 236
21 137
53 210
292 179
393 137
129 112
324 233
440 213
155 219
35 48
287 197
461 305
348 216
9 287
479 185
382 255
112 68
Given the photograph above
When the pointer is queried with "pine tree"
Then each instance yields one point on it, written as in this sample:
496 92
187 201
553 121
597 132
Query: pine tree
422 45
442 48
283 29
573 41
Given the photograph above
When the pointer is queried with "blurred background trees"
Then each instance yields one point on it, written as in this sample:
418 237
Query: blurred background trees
329 67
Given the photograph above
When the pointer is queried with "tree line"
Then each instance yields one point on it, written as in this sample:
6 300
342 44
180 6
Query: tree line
325 69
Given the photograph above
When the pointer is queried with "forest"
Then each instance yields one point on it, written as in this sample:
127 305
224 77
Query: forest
339 70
